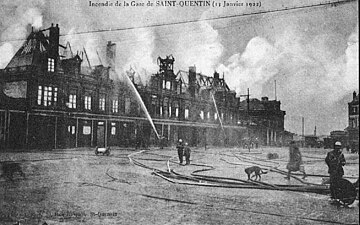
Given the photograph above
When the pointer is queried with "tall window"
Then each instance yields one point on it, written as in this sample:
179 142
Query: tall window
47 95
168 85
176 111
39 100
113 128
102 103
72 101
115 106
127 105
71 129
170 111
51 65
202 114
186 113
55 95
88 102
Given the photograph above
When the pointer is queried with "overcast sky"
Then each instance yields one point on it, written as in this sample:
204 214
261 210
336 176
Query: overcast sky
312 53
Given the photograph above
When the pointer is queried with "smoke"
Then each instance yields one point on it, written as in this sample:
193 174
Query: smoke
199 45
137 54
254 67
7 52
352 60
17 16
313 73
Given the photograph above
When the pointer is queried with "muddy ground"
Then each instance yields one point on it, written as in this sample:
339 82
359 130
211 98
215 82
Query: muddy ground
75 186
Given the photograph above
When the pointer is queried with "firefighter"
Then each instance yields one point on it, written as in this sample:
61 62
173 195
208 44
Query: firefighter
187 152
335 160
180 150
162 141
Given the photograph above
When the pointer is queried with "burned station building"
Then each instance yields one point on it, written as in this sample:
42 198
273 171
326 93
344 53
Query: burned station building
353 118
52 98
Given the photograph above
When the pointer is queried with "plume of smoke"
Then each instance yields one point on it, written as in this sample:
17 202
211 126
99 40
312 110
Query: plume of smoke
16 17
256 65
199 45
134 48
7 52
309 67
352 60
140 58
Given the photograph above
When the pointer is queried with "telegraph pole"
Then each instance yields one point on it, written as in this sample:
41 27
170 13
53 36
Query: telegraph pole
275 91
303 131
247 114
303 126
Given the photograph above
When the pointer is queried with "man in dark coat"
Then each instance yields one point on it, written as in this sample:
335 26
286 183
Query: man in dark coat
180 150
335 160
162 142
187 152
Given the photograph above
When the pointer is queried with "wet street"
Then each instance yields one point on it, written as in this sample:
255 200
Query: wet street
75 186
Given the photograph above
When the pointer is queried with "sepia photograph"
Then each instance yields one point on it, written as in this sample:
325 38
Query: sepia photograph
191 112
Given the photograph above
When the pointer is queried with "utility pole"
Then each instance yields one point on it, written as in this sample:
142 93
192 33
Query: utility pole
247 115
303 131
303 126
275 91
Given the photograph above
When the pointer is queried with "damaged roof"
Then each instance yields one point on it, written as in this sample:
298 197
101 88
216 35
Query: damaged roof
35 43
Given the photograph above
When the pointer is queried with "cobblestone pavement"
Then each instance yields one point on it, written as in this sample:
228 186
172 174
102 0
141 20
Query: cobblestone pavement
75 186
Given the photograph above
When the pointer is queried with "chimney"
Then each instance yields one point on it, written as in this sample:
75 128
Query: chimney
354 95
111 54
192 80
54 33
216 75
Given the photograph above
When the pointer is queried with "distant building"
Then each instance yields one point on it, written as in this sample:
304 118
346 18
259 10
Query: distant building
353 128
313 141
336 135
266 121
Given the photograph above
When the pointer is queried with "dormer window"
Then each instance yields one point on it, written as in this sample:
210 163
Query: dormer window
51 65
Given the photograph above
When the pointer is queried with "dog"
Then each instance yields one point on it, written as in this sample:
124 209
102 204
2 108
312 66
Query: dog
9 169
257 172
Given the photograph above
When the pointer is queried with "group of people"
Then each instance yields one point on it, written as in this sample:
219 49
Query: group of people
183 149
335 161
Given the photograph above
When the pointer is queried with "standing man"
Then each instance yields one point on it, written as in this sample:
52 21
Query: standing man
180 150
335 160
187 152
162 141
295 160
